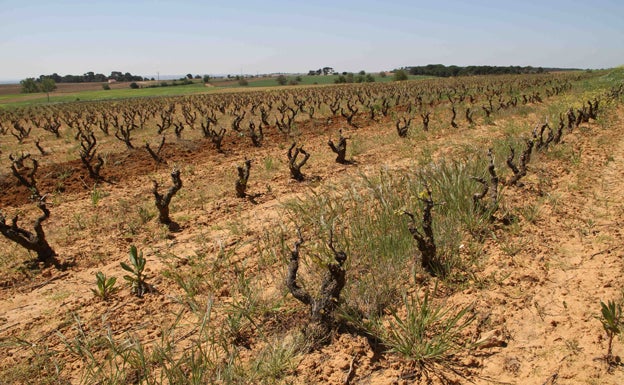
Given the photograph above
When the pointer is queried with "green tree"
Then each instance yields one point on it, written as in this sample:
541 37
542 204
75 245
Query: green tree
29 86
89 76
400 75
282 80
206 78
47 85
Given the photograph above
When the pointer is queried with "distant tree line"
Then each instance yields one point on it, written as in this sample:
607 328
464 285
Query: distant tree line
441 70
91 77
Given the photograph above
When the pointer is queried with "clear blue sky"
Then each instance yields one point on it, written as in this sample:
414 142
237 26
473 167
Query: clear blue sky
209 37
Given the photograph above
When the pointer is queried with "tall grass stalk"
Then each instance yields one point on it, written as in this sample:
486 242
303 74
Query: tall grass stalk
427 332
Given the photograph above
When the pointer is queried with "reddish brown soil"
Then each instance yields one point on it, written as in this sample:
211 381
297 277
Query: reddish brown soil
130 164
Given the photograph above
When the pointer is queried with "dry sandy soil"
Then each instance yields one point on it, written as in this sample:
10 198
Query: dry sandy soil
537 293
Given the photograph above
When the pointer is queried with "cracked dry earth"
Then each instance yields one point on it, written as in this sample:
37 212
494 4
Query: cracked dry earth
538 299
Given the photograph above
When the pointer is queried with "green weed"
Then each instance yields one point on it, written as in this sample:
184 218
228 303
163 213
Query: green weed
613 324
136 267
105 287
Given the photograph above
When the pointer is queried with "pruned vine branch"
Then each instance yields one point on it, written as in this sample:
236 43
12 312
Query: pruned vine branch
32 241
162 201
243 176
323 305
340 149
294 165
492 187
156 154
423 233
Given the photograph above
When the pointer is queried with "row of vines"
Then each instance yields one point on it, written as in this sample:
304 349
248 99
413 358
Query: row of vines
353 257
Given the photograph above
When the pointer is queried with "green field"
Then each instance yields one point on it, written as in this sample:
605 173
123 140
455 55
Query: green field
305 80
123 93
18 100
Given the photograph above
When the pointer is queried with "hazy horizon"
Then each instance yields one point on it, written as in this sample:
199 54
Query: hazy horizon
147 37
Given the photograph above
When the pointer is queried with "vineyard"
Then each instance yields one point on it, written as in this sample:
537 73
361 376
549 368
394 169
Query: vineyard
427 231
